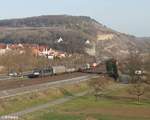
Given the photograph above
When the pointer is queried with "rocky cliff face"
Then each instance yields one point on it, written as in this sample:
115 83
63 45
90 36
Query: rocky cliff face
78 33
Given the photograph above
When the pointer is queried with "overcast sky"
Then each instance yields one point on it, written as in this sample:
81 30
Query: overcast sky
129 16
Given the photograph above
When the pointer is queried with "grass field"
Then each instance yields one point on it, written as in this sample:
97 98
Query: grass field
113 106
18 103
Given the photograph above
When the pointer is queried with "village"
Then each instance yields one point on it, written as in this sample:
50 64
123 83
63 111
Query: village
36 50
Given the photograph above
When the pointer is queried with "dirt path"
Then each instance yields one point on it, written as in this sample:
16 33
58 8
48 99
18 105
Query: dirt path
115 111
44 106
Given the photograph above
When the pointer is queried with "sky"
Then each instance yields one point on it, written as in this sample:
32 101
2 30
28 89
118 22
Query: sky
127 16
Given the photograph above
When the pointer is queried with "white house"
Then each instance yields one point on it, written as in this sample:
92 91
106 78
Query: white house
60 40
87 42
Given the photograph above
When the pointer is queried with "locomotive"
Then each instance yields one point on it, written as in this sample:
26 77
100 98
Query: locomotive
108 67
111 68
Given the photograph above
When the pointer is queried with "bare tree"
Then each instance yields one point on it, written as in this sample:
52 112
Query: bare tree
147 68
137 89
7 61
17 62
98 85
135 67
133 63
41 62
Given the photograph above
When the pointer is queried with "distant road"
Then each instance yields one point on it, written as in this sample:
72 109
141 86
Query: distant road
4 77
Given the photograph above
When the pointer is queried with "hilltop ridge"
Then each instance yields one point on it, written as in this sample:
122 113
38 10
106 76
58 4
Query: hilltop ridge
79 34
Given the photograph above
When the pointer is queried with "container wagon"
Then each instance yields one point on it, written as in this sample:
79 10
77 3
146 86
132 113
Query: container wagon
41 73
58 69
70 70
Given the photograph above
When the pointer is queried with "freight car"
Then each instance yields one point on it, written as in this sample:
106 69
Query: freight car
41 72
70 70
106 67
58 69
84 67
54 70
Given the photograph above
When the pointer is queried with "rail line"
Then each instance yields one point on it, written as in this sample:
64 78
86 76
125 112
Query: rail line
40 87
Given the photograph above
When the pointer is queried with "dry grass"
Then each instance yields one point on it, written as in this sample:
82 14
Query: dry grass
22 102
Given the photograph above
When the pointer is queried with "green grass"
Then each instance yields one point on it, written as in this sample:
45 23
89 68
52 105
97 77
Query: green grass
77 105
59 116
55 116
87 108
109 117
90 102
22 102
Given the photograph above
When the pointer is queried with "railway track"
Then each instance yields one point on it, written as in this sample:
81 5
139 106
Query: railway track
45 85
18 83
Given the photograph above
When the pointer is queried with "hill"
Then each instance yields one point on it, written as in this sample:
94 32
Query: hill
69 33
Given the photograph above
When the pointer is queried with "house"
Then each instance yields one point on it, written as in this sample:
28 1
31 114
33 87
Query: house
2 49
37 50
62 55
60 40
43 50
87 42
2 46
51 57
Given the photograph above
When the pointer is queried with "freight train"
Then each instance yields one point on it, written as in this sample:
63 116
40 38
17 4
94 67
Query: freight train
54 70
108 67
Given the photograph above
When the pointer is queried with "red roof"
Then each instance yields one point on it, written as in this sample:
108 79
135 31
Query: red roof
2 46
